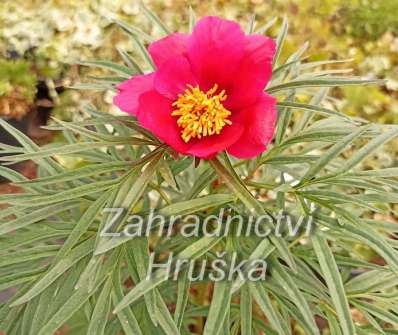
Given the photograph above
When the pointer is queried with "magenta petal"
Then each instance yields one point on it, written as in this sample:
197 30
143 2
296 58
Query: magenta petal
168 47
130 90
155 115
173 77
259 121
254 72
208 147
215 50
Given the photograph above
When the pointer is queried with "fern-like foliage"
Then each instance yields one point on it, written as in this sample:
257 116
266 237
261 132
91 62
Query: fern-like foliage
67 274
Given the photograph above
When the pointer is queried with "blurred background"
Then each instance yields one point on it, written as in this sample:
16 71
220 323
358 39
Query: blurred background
41 41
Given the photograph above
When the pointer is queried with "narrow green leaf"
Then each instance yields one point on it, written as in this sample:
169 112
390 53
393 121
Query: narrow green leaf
36 216
333 152
130 62
337 198
289 159
111 66
384 173
204 179
155 19
371 281
334 326
82 226
131 30
246 310
140 184
112 80
70 194
102 308
157 309
262 251
309 65
307 116
284 117
266 26
251 24
166 322
218 308
29 254
96 135
236 185
47 163
87 171
21 277
379 312
183 286
260 295
70 149
376 242
280 39
141 257
367 236
281 275
196 205
15 177
167 174
78 253
366 150
297 54
282 69
371 319
127 318
313 108
194 251
28 316
77 300
144 52
41 311
327 135
322 82
192 19
334 282
128 197
92 86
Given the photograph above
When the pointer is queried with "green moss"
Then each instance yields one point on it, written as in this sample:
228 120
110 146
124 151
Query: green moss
17 74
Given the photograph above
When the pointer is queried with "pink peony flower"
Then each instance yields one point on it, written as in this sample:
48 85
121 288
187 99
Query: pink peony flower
207 92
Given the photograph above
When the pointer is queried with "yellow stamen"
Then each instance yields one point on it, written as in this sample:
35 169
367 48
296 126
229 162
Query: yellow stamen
201 113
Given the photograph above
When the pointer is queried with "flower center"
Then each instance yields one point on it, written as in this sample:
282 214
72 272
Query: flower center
201 113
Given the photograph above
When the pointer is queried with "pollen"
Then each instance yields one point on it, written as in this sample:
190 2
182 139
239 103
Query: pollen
200 113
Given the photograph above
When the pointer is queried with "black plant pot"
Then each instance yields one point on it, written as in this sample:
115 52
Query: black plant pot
6 138
21 125
37 116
